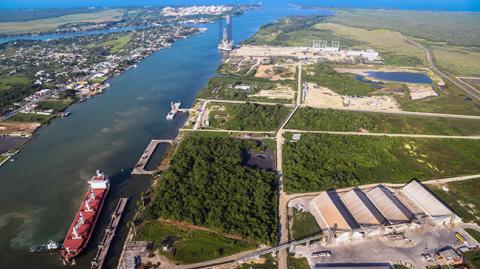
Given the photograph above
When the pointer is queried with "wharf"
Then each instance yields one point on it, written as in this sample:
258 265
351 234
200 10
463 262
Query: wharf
140 166
103 247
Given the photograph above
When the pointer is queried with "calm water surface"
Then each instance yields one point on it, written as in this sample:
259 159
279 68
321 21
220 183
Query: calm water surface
41 191
406 77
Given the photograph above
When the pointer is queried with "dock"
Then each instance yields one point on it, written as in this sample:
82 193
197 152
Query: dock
104 246
140 166
174 109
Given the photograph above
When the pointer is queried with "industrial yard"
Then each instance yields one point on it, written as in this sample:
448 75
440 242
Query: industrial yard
323 165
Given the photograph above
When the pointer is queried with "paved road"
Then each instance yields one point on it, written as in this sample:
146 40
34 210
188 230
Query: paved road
244 102
450 179
406 113
226 131
474 137
473 92
12 113
282 201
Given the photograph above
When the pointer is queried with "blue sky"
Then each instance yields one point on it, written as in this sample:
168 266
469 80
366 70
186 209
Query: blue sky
456 5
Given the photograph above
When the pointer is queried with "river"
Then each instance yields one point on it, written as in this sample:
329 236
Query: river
41 191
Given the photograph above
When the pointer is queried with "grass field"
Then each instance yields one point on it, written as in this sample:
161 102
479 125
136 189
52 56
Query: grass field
297 263
8 82
456 28
56 105
43 25
347 121
295 31
117 44
474 258
248 116
191 246
451 100
393 45
457 60
474 233
320 161
304 225
462 197
24 117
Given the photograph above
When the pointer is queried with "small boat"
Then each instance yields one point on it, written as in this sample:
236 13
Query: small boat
50 246
170 115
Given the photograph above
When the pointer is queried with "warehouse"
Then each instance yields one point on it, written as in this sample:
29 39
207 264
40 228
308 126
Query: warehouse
355 213
429 203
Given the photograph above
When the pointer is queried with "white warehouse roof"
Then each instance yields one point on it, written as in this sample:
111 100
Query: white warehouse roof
362 209
389 205
333 212
422 197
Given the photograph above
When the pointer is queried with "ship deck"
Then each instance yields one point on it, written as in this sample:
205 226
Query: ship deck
90 217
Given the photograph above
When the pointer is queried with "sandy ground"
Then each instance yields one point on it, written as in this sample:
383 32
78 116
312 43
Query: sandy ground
266 71
299 52
280 92
18 128
321 97
420 91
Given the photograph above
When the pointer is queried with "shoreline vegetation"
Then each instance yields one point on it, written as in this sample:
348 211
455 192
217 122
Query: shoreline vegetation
50 87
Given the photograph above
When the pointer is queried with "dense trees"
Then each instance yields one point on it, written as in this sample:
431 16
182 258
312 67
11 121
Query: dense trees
330 120
348 121
208 185
321 161
250 116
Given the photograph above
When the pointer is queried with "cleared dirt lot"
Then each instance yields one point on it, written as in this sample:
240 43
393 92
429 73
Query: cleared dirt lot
321 97
280 92
18 128
276 72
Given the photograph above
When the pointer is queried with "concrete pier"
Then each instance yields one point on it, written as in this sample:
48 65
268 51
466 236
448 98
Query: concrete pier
140 166
99 259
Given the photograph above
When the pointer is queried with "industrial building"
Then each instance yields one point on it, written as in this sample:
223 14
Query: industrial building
378 210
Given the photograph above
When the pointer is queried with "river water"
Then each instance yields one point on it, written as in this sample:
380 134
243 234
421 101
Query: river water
41 191
66 35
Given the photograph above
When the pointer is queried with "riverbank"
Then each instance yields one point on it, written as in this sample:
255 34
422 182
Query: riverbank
99 87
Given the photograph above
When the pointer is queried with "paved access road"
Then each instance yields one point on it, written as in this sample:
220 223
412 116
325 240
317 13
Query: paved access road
473 92
474 137
406 113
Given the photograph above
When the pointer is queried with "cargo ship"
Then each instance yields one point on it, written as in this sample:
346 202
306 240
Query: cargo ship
87 215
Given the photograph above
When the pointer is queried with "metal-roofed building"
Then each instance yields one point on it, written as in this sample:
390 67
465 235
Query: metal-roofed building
362 209
334 214
429 203
389 205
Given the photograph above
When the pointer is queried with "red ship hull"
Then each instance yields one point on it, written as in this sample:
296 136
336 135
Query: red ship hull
84 222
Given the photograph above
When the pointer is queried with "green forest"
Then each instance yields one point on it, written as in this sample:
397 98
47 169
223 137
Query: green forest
344 84
321 161
208 185
348 121
249 116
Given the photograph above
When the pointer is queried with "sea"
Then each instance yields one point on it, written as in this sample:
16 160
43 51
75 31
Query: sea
443 5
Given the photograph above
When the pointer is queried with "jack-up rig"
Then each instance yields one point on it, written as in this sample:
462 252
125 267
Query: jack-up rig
226 37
